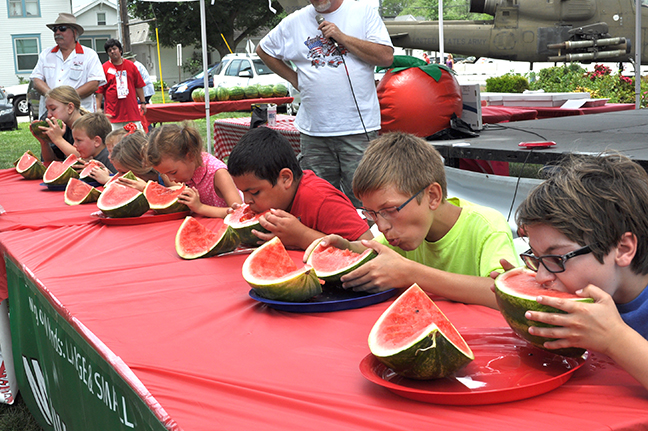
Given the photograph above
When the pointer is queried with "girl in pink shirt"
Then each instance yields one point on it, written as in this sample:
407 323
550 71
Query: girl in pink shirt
177 152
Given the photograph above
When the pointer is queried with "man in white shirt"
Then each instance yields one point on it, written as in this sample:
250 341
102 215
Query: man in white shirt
68 63
149 89
349 35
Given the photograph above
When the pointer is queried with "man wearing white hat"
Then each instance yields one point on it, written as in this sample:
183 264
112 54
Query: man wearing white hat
68 63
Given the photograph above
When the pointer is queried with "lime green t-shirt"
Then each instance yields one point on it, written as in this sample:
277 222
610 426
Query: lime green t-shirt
473 246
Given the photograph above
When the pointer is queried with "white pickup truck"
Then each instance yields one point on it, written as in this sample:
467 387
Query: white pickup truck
17 95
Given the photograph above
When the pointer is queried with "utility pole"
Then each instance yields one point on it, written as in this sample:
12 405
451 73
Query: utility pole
123 18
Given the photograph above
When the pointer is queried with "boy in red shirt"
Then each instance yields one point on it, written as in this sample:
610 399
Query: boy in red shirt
303 207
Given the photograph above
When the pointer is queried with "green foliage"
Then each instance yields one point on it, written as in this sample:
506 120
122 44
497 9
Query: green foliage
179 22
157 85
508 83
429 9
194 64
601 83
22 79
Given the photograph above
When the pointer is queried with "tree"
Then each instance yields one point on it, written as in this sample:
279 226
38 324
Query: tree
179 22
429 9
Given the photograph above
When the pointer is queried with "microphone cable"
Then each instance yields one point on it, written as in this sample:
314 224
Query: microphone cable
319 18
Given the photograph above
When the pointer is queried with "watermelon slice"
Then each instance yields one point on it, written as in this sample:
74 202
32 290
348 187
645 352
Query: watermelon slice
416 340
35 129
30 167
193 240
164 200
79 192
243 220
85 173
274 275
516 292
331 263
58 173
118 201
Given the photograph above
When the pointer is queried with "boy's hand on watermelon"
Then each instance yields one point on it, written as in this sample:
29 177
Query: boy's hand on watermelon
387 270
286 226
329 240
100 174
592 326
506 266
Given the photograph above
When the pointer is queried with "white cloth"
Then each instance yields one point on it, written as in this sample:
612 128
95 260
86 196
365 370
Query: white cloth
149 90
327 106
81 66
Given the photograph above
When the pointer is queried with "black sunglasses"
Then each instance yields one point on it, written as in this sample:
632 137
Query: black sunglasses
59 27
554 263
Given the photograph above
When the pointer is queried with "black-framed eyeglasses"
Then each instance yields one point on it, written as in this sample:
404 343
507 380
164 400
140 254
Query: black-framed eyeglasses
553 263
388 214
59 27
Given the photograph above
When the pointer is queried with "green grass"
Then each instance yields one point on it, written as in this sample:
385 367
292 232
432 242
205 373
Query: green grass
15 142
16 417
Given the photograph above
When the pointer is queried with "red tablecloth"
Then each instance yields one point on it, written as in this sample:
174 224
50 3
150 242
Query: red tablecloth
228 131
502 114
28 204
169 112
213 358
550 112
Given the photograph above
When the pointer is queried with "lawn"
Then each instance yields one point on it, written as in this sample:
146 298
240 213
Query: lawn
13 143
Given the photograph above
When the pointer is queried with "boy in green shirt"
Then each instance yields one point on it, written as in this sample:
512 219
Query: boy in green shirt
449 247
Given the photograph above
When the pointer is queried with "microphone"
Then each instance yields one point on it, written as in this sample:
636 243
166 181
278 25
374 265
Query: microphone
320 19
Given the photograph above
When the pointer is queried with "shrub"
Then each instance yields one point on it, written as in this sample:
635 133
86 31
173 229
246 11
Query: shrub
507 84
157 85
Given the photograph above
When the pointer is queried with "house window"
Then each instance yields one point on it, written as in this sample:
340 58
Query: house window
23 8
26 50
101 18
96 43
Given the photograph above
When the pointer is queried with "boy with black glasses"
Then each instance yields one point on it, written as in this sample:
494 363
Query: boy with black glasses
449 247
587 227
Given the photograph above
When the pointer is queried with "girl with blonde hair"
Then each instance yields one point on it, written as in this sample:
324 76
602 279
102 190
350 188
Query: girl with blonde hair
63 103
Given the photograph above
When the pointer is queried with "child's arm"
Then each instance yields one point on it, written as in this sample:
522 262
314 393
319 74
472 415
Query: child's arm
191 198
390 269
138 184
594 326
225 188
55 134
290 230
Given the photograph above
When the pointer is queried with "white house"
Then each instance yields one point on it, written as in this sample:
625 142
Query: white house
24 34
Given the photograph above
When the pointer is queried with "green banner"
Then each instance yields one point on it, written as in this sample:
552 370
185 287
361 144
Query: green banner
65 383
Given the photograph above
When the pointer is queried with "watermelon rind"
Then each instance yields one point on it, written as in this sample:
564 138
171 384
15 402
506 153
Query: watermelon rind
222 94
431 355
280 90
165 200
295 286
513 307
244 228
134 206
193 240
130 175
78 192
251 92
30 167
236 93
349 261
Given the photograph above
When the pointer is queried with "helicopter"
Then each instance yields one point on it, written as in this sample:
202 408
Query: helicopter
529 30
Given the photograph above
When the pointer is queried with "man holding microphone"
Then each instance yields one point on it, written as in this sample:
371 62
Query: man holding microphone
335 46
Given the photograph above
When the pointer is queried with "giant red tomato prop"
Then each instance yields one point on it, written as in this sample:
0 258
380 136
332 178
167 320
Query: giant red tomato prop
413 101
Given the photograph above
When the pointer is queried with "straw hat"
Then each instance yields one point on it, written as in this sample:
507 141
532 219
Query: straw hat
69 20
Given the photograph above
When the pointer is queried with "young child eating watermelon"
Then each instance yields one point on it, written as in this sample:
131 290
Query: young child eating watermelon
587 227
89 132
303 207
448 246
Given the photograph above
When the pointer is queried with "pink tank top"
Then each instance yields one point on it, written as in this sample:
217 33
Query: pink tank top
203 180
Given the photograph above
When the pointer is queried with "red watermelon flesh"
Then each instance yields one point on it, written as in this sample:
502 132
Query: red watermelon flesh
85 173
196 237
79 192
411 316
26 161
114 196
281 264
524 283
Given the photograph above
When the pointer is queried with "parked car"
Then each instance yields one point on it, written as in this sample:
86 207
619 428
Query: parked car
243 70
17 95
7 115
181 92
33 101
